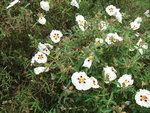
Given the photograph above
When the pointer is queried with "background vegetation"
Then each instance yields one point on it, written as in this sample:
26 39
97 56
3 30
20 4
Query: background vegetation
22 91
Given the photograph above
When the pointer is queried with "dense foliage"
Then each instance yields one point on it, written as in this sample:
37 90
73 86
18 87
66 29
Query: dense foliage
52 92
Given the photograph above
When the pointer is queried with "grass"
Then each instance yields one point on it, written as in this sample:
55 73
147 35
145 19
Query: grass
22 91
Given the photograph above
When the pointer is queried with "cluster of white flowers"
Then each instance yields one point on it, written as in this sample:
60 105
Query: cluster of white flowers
82 82
41 57
45 6
140 46
80 79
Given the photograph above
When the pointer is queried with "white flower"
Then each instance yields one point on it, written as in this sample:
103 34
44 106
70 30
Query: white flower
138 20
39 70
55 36
147 13
88 62
135 25
95 83
12 3
118 16
141 46
103 25
98 41
81 22
112 37
142 98
45 5
41 19
111 10
42 48
81 81
75 3
109 74
39 57
125 80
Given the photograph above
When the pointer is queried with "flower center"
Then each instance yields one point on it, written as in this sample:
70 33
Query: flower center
94 83
40 57
98 42
80 22
90 59
56 36
143 98
126 82
81 80
111 9
135 27
41 15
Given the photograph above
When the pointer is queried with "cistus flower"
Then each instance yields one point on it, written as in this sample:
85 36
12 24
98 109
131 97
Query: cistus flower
45 5
74 3
142 98
39 57
103 25
111 10
81 81
39 70
88 62
43 48
109 74
147 13
113 37
98 41
95 83
41 19
141 45
55 35
136 23
12 4
81 22
125 80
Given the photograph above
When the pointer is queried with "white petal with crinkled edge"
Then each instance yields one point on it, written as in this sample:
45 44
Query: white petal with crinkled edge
74 3
42 20
42 48
45 5
39 70
12 4
95 82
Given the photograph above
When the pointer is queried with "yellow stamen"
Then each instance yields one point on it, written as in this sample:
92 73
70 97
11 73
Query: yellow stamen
143 98
90 58
81 79
111 9
135 27
56 36
41 15
94 82
80 22
126 82
40 57
97 42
